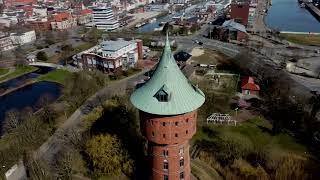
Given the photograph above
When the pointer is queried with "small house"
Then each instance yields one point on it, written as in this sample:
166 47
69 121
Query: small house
249 87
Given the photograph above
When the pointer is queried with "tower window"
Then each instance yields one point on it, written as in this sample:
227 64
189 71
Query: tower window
164 135
152 133
181 150
165 152
163 124
165 177
176 123
181 176
187 120
163 94
165 165
181 162
186 131
176 135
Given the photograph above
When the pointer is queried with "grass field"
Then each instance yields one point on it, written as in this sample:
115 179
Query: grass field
209 57
254 132
57 76
20 70
3 71
311 40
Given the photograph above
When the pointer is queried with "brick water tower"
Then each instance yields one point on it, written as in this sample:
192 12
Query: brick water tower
168 105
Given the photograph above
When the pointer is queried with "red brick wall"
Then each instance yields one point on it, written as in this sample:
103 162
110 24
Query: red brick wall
241 36
171 134
240 12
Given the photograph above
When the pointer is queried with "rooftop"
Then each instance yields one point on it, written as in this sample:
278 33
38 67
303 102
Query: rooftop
168 91
232 25
114 45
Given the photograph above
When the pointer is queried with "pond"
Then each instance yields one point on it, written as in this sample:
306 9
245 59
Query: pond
28 96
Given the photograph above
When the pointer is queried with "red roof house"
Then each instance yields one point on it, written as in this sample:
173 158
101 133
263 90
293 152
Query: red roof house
248 86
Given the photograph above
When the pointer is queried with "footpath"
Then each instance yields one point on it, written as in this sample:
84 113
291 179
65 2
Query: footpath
52 146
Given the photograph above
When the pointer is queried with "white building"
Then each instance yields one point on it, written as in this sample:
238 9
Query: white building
23 38
109 56
179 1
103 18
5 42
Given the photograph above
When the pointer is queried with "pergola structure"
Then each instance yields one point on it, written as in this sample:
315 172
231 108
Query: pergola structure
221 118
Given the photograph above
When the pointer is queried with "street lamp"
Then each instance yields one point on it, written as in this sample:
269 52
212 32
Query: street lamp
236 109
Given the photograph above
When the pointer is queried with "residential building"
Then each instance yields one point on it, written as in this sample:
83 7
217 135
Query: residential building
240 12
84 16
7 21
179 1
110 56
249 87
63 21
5 42
13 3
168 104
39 24
23 38
234 31
103 18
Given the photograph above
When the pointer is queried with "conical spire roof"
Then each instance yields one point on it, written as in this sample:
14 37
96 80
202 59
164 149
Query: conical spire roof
168 91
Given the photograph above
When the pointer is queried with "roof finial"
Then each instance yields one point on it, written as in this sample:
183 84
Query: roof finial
167 40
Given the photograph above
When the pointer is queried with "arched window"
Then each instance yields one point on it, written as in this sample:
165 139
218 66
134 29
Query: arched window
165 165
181 162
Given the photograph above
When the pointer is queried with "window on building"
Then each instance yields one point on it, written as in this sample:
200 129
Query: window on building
163 94
176 123
165 152
164 135
165 177
151 122
187 120
181 176
165 165
176 135
181 150
152 133
163 124
181 162
186 131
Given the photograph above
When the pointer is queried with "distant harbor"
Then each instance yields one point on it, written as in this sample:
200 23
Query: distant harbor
287 15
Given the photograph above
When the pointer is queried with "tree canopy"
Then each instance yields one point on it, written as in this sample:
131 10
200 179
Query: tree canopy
107 156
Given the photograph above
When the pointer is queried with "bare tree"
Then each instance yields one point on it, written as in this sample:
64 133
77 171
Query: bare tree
11 121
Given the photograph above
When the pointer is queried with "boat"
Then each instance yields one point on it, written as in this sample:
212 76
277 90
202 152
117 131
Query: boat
302 5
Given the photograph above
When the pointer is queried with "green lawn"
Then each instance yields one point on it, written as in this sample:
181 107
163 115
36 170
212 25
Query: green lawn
3 71
20 70
57 76
254 132
304 39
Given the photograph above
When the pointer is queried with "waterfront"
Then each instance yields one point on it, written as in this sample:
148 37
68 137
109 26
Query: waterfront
287 15
28 96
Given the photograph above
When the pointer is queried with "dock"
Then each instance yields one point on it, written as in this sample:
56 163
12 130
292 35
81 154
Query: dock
313 10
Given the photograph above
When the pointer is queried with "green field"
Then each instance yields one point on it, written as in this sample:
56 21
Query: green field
19 70
304 39
57 76
3 71
254 133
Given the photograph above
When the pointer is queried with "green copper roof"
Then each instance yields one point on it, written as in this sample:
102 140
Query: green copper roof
168 91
